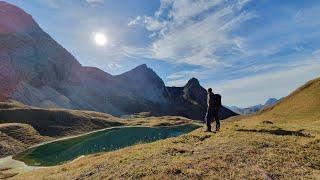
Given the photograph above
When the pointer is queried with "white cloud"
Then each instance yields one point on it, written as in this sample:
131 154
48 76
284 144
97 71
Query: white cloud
256 89
151 24
194 32
114 65
180 78
183 10
94 1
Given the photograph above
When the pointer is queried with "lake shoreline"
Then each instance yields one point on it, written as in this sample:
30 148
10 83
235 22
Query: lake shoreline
67 149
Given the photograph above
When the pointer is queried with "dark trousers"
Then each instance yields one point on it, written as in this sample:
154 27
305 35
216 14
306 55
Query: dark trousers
212 114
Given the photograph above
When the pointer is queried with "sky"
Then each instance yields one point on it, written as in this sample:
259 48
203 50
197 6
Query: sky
246 50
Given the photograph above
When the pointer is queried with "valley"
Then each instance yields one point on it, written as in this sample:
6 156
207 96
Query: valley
60 119
23 126
267 145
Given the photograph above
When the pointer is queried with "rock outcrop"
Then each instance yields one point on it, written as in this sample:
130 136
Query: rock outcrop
191 101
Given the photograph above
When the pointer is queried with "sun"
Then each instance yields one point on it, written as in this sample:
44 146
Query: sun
100 39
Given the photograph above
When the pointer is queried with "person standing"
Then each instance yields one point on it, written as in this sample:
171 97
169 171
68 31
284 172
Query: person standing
214 105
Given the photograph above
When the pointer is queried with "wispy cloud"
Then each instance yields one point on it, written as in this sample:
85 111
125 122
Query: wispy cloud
150 23
247 54
259 87
94 1
195 32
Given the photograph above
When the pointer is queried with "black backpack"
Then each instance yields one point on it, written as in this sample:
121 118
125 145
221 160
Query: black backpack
217 100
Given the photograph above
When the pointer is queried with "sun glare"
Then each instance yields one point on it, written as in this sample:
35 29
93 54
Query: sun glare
100 39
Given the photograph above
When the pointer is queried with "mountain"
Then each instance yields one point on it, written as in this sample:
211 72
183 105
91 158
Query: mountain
147 91
37 71
255 108
270 102
191 101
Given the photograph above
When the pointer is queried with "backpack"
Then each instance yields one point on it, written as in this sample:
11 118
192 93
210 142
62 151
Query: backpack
214 100
217 100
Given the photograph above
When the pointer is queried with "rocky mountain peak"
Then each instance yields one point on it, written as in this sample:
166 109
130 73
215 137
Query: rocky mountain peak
29 56
193 83
141 69
14 19
142 72
271 101
193 91
145 82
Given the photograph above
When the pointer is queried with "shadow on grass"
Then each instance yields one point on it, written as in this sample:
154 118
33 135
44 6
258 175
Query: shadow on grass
279 132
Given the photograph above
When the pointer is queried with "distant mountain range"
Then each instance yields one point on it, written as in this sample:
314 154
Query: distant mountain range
37 71
253 109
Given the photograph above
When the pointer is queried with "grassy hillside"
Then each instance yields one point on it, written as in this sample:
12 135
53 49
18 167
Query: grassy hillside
299 110
22 126
16 137
282 142
56 122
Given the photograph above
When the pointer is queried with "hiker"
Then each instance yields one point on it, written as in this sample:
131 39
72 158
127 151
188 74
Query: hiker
214 105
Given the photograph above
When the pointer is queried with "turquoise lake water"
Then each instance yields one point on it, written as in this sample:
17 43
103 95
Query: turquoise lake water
61 151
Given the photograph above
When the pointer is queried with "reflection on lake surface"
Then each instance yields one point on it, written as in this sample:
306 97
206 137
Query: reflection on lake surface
61 151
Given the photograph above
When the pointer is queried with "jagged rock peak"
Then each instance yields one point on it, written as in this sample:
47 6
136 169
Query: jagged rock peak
193 82
142 66
141 69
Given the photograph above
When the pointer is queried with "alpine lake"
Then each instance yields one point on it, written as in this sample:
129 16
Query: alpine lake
65 150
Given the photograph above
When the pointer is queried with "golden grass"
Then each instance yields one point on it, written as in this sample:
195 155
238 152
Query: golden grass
230 154
16 137
158 121
22 126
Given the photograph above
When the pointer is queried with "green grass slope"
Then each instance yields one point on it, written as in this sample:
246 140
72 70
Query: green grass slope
281 142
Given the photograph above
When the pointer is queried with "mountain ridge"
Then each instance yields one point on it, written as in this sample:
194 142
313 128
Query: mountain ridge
255 108
38 71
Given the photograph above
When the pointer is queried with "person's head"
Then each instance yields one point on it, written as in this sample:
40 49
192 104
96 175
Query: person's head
209 90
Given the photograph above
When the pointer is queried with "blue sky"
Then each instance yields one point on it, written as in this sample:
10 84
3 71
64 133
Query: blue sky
247 50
